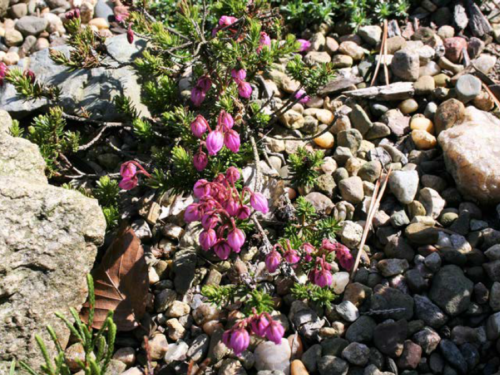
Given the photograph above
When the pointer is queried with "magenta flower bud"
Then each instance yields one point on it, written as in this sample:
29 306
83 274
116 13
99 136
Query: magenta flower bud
199 126
232 175
244 89
208 238
240 339
69 15
259 203
209 220
232 140
215 141
200 161
128 170
291 256
231 207
130 34
201 188
197 96
76 12
239 75
236 239
128 183
243 212
301 94
259 325
222 249
227 21
323 278
304 45
346 260
273 261
264 40
275 332
225 120
192 213
30 75
308 249
204 83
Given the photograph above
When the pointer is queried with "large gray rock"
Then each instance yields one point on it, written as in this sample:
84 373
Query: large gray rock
48 243
92 89
472 155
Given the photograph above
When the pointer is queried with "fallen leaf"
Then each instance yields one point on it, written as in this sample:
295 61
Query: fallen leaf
120 283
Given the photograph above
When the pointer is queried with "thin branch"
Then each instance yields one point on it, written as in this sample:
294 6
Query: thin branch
376 198
98 136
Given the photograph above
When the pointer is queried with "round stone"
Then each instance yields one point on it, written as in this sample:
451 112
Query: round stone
408 106
422 123
325 141
468 88
423 140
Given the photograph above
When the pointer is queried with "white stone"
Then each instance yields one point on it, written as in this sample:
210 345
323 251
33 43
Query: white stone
269 356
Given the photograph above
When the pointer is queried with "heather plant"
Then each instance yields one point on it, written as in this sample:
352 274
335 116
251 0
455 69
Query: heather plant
202 81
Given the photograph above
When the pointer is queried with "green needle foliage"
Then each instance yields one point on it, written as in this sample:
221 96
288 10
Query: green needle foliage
98 346
323 297
223 295
304 166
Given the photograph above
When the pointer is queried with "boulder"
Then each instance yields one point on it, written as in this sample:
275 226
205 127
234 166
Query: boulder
92 89
472 154
48 243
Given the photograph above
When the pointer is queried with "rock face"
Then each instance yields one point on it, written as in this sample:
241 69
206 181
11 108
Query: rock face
48 243
93 89
472 153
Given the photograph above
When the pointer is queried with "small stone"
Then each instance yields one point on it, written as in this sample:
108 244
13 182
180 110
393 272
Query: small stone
325 116
325 141
158 346
347 311
330 365
423 140
424 85
410 359
432 202
360 120
356 354
389 337
340 281
484 101
404 185
342 61
485 63
431 314
313 58
352 49
351 189
311 357
269 356
405 65
378 130
422 123
392 267
175 329
361 330
452 354
125 355
448 114
176 352
13 38
468 88
428 339
331 45
408 106
446 32
298 368
451 290
371 34
370 171
454 48
350 139
441 80
446 64
292 119
178 309
31 25
394 44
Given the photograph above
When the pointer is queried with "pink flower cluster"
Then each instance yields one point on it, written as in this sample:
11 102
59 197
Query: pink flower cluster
223 134
304 45
129 172
244 88
238 337
219 205
321 271
72 14
264 41
199 92
224 23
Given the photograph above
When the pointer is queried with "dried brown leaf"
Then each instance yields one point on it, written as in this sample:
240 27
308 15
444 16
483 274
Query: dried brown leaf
121 283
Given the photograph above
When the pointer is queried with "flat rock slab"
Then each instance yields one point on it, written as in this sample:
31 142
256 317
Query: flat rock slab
48 243
472 155
92 89
394 91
